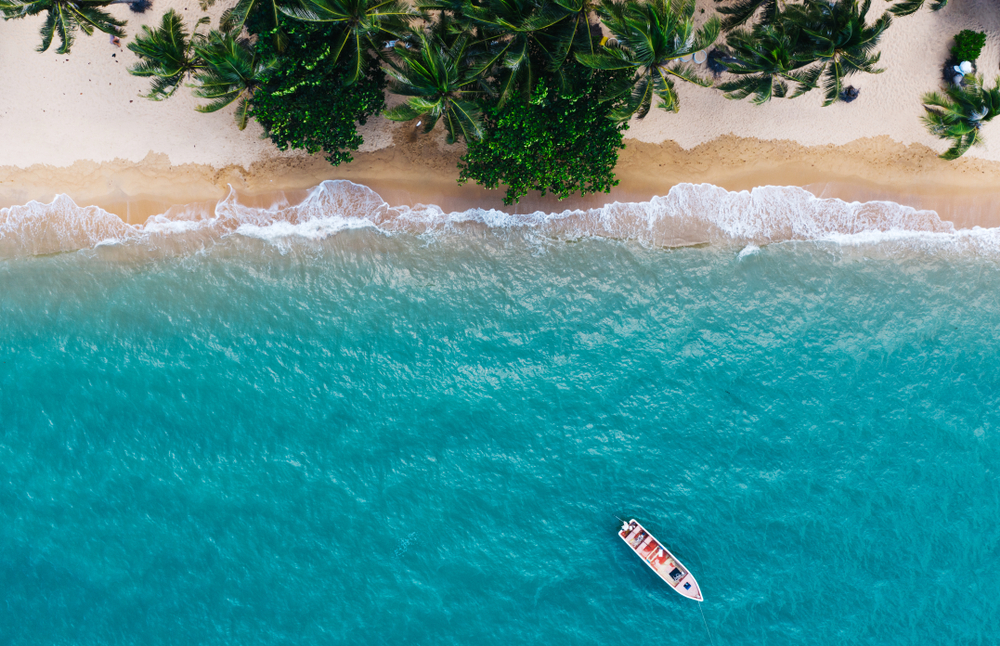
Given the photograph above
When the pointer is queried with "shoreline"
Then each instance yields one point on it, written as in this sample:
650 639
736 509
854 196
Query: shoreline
413 171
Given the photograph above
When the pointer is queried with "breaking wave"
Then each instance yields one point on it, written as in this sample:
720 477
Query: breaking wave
688 215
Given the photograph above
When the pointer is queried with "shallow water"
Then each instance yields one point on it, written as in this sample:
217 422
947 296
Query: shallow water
262 436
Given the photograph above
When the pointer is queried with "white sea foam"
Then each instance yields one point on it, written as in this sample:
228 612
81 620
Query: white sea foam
689 214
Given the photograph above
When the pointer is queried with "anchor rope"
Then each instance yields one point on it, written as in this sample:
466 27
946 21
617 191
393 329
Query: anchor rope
710 640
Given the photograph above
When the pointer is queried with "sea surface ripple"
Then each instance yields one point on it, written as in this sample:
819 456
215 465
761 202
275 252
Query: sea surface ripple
411 439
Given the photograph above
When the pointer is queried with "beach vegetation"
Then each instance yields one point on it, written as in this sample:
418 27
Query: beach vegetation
907 7
959 114
64 18
441 82
360 26
767 63
968 45
739 12
224 67
307 103
841 39
557 140
166 53
808 45
230 71
651 39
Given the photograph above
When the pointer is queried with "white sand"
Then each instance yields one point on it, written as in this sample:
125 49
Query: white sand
57 110
913 49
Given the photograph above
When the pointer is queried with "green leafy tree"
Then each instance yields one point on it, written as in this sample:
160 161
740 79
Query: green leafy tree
840 39
166 54
362 25
959 114
767 63
64 18
441 82
305 103
968 45
653 35
558 140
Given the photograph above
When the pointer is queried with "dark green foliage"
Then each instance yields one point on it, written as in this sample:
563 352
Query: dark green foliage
652 37
224 67
441 82
959 114
802 46
556 141
63 18
906 7
968 45
307 103
739 12
769 63
166 54
359 25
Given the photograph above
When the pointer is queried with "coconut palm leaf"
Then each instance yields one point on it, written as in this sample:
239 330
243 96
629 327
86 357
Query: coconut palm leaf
652 35
510 29
836 34
64 18
906 7
440 83
365 24
166 54
739 12
230 71
960 113
766 63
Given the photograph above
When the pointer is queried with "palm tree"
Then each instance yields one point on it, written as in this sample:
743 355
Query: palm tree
740 11
959 114
229 71
234 18
515 40
166 54
837 35
64 18
441 82
652 36
768 63
364 24
906 7
574 33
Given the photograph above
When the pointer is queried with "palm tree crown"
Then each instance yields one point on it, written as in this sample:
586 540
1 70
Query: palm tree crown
838 36
229 72
167 54
959 114
442 82
64 18
768 63
364 24
653 36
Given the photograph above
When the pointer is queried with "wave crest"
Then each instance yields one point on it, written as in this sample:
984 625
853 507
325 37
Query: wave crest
689 214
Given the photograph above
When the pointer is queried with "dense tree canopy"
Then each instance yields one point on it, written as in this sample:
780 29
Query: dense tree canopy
557 140
307 102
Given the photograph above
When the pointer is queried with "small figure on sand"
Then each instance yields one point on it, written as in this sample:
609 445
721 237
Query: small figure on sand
115 40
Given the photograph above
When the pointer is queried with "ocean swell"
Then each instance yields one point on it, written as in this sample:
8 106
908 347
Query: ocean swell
688 215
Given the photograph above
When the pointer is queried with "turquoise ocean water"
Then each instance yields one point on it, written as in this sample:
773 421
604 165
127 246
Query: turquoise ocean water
345 424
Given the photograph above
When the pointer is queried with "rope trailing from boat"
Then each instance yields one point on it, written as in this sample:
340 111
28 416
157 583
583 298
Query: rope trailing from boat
710 640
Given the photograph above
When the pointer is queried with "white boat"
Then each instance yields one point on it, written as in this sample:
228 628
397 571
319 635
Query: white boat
660 559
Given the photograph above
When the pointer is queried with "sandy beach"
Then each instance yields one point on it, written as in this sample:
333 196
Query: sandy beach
77 125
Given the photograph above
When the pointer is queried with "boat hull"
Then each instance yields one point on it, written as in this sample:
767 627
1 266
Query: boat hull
660 560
